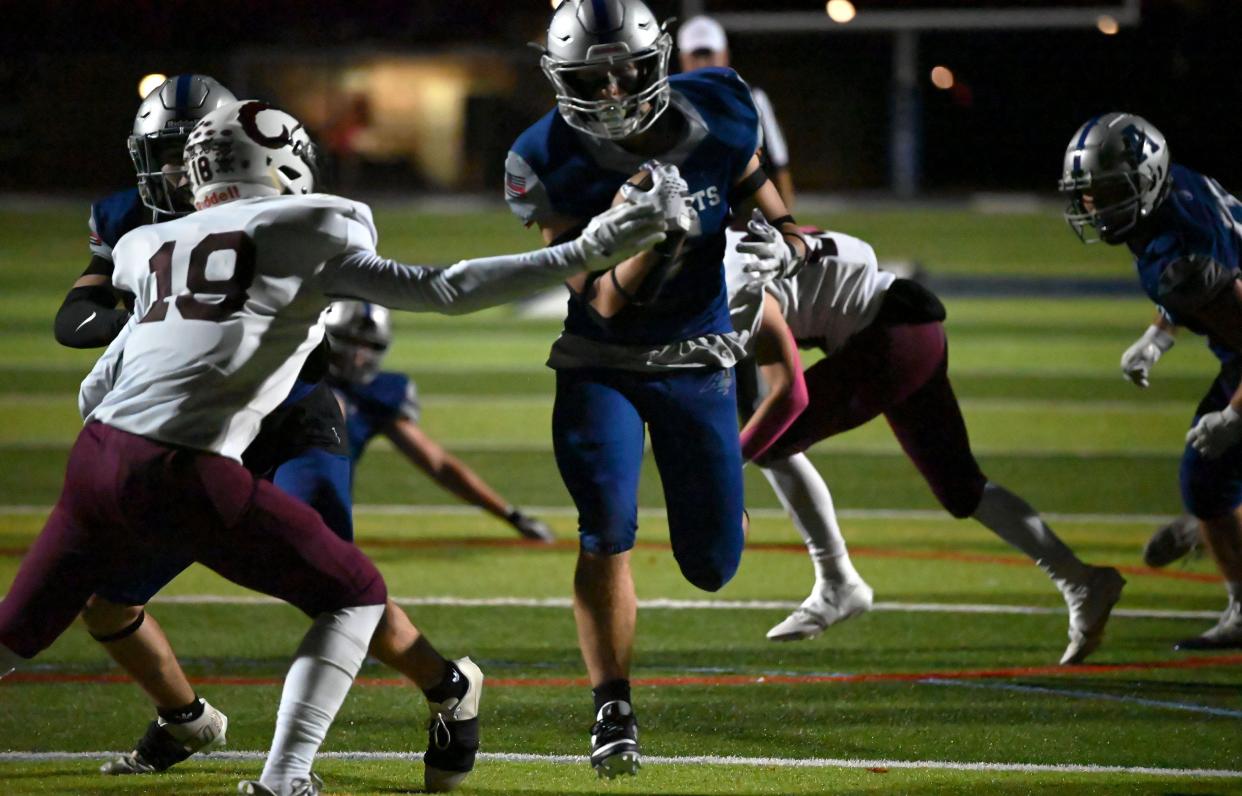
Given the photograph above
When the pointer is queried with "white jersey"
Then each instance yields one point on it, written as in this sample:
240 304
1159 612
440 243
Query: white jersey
827 302
227 307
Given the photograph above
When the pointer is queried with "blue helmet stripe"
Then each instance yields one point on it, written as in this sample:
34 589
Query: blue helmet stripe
183 93
1086 128
602 21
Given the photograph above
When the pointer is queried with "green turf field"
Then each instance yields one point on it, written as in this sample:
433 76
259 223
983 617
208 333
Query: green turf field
949 686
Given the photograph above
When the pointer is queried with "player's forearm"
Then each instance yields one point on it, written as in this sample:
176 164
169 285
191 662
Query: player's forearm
468 286
615 290
786 400
89 317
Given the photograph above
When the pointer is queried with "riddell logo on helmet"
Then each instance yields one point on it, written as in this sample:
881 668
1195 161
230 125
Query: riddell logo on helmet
216 197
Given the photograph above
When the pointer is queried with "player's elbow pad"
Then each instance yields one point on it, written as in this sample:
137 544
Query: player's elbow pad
88 318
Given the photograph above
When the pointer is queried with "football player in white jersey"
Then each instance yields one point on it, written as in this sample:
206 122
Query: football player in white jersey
886 354
227 306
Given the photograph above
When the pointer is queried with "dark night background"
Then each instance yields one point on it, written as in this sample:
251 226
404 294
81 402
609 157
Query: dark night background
69 71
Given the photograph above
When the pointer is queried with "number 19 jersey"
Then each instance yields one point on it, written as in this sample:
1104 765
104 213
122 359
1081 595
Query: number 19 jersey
227 309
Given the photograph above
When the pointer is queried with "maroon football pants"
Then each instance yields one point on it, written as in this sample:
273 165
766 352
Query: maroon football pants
129 502
901 372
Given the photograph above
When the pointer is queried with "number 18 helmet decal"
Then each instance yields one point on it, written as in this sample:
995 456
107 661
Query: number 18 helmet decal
249 149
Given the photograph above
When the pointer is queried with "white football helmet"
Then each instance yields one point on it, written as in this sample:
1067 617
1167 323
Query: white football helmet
608 61
359 334
1115 173
164 120
248 149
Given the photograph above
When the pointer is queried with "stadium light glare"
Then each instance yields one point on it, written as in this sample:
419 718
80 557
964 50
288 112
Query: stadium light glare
149 83
1107 25
942 77
841 11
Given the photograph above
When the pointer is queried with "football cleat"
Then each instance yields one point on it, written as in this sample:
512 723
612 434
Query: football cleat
1090 604
530 527
824 608
166 744
1226 635
1171 542
614 740
453 734
310 786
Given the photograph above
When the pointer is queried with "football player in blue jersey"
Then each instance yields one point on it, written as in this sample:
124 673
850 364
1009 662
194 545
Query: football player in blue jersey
301 448
1185 232
386 403
648 343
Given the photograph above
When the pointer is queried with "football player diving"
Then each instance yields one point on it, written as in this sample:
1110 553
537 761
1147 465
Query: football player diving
648 344
886 353
379 402
1185 233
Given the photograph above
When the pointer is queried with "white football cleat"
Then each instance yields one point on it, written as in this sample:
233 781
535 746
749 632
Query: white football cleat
1226 635
824 608
165 744
453 734
1090 604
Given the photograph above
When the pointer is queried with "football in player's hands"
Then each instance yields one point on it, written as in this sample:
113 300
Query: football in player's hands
661 184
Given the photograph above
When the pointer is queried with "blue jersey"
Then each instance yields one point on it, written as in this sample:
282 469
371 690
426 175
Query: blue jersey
1194 251
372 407
555 173
113 216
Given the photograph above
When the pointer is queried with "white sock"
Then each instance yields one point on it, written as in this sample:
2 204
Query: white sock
805 496
1012 519
322 672
8 661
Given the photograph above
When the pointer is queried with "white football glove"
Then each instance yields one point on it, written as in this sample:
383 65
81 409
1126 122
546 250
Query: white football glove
769 255
621 232
669 192
1216 432
1137 361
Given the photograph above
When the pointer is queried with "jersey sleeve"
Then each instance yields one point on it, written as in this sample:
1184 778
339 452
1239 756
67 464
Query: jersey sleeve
1191 282
98 246
773 140
410 408
525 193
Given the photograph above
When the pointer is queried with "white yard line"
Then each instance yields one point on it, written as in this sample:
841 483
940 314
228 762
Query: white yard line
1074 693
897 515
696 605
701 760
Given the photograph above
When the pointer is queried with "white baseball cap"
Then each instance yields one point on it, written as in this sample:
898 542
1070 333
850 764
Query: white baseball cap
701 33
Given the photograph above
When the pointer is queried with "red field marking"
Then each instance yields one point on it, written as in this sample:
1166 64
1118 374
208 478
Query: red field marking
703 680
764 547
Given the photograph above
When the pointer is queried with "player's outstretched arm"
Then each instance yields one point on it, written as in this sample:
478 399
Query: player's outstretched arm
472 285
776 354
89 316
444 468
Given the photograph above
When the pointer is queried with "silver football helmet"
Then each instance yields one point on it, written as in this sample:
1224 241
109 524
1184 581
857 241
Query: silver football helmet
247 149
608 62
164 120
1116 172
359 334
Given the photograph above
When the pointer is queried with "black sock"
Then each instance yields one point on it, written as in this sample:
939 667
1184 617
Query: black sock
454 685
183 714
611 691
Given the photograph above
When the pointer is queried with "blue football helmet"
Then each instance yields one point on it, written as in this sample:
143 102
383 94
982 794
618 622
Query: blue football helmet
359 334
608 62
164 121
1116 172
